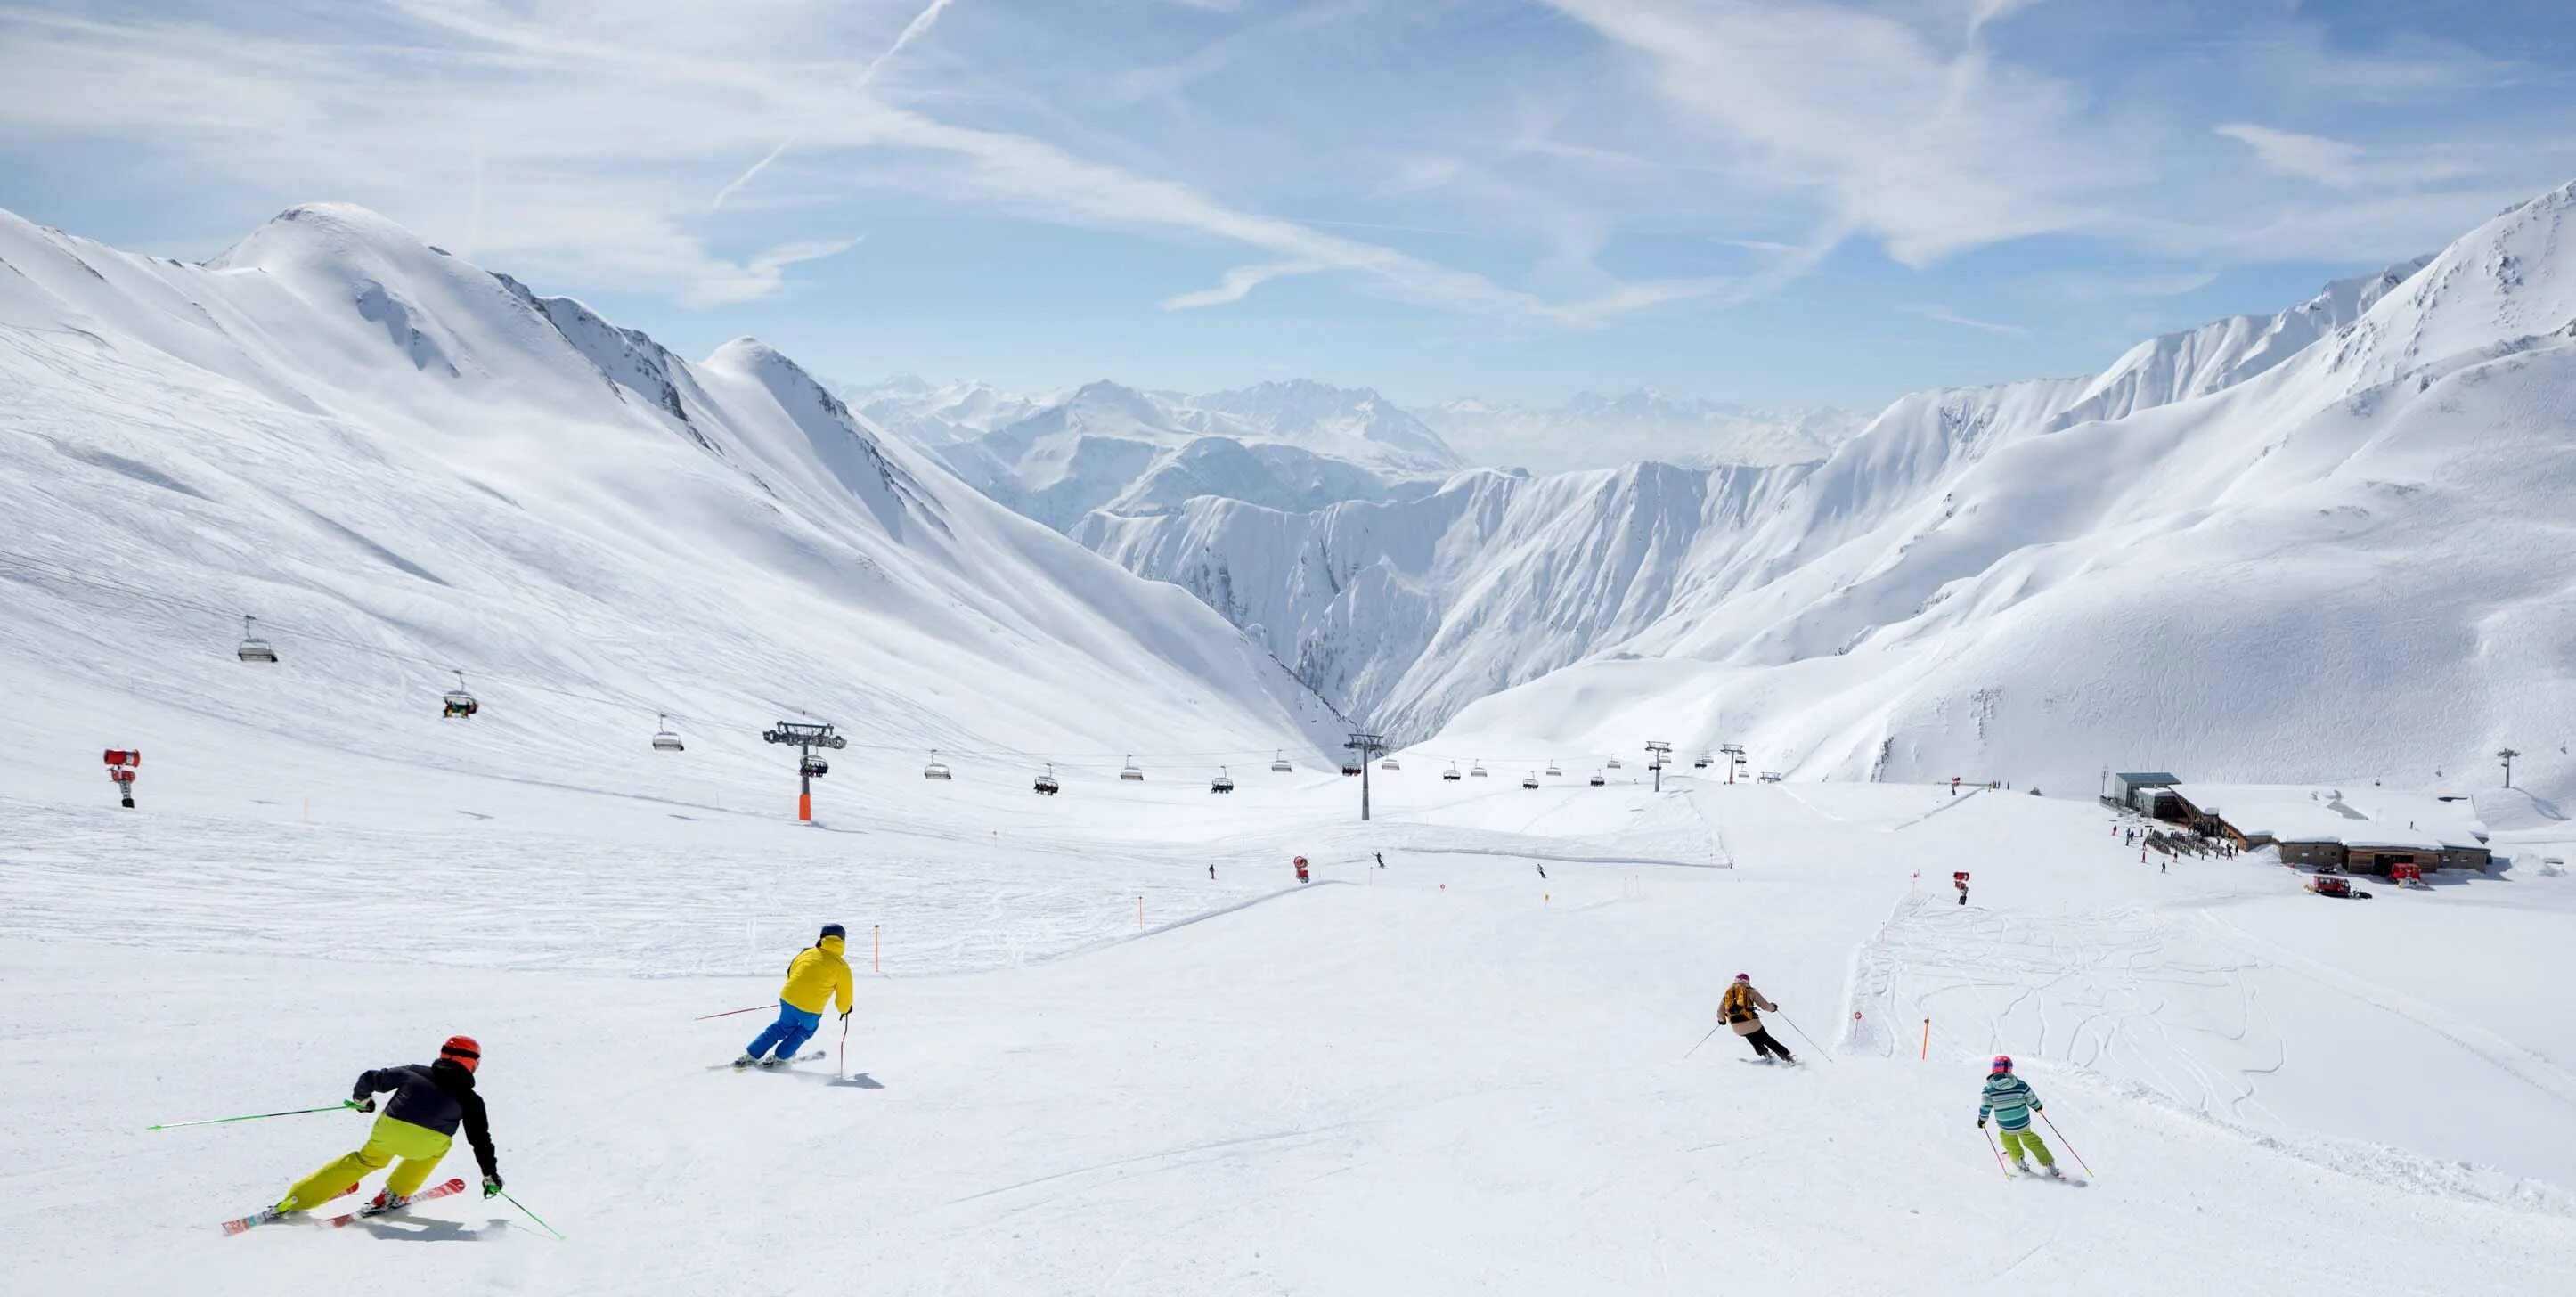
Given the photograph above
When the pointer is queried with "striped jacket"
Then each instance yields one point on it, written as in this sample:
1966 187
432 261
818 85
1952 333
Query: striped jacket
2011 1100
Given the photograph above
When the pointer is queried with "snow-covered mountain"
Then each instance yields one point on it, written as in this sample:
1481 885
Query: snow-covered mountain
1592 430
1299 445
2230 552
2343 561
943 414
405 464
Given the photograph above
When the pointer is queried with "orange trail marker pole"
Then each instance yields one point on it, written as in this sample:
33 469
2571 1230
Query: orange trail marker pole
1140 914
1927 1038
876 947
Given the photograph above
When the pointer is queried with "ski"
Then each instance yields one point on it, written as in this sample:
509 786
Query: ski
765 1065
262 1216
2071 1181
364 1213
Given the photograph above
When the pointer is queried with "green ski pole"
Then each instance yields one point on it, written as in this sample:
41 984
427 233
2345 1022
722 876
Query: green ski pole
540 1220
256 1116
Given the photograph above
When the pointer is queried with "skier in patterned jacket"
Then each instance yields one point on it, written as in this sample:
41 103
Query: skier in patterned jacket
2010 1101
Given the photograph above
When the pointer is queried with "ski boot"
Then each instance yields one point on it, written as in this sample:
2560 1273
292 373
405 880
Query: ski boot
743 1062
2020 1167
387 1200
2054 1171
773 1062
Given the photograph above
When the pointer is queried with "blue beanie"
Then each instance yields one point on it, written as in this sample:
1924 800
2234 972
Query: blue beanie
834 930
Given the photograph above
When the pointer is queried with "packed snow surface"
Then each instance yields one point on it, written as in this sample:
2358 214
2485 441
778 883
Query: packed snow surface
1448 1075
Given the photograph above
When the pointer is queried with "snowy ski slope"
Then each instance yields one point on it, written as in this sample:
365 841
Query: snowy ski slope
1446 1076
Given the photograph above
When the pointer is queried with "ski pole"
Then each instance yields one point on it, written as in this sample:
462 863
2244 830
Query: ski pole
256 1116
2062 1139
1702 1041
540 1220
1802 1035
845 1045
728 1013
1999 1153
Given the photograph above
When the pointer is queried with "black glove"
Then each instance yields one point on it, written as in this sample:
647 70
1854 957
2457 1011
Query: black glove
368 1106
845 1015
1981 1123
491 1186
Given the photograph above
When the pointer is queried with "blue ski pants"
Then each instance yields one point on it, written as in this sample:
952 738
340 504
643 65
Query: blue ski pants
787 1035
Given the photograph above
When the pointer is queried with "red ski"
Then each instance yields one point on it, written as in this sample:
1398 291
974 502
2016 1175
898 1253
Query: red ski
364 1213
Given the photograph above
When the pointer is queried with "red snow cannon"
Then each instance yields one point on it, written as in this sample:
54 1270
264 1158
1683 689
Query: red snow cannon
121 764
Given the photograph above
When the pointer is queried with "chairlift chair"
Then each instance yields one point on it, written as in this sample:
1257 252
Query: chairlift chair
1351 769
458 705
1553 772
1529 781
1223 783
1476 769
1614 763
1770 776
1598 779
663 739
1450 775
253 648
934 770
1046 781
1130 773
1390 764
813 767
1279 764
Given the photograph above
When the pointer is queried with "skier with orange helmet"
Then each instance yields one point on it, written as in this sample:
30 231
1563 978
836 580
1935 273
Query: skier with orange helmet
418 1125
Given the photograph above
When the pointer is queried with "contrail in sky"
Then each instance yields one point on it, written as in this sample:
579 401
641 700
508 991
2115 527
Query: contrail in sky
912 31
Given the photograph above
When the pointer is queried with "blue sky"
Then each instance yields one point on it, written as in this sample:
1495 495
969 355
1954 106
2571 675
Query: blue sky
1752 200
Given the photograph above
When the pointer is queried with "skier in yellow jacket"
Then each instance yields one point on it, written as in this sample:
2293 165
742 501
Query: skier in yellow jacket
814 977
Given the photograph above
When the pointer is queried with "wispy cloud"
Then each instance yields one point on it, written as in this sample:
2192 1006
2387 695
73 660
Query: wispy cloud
1945 315
756 168
2309 157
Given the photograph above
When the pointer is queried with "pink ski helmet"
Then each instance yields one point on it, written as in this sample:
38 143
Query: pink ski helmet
1744 977
2003 1062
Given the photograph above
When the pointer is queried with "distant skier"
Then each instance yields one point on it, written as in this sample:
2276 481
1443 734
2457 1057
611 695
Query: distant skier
1211 873
1302 875
1381 858
2011 1101
1742 1007
417 1127
1542 869
814 977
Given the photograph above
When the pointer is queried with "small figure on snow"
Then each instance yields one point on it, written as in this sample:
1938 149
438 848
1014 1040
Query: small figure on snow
415 1130
1542 869
2011 1101
1302 875
1381 858
1739 1008
1211 873
814 977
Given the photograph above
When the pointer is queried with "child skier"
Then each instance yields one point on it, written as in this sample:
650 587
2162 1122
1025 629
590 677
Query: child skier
417 1127
814 977
1738 1007
2011 1101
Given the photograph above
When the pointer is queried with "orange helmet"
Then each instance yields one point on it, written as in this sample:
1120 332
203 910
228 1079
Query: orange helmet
463 1050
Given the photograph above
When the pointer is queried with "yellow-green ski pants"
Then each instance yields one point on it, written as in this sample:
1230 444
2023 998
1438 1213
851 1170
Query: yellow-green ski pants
2017 1140
418 1147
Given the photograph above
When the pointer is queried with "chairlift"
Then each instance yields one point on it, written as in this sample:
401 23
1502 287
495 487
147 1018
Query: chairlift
1390 764
1614 763
1553 772
1700 762
458 705
1352 770
1598 779
1477 768
1450 775
813 767
1279 764
1529 781
1770 776
663 739
1223 783
934 770
1130 773
253 648
1046 782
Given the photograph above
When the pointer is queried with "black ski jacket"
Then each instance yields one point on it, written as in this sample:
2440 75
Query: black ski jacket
435 1096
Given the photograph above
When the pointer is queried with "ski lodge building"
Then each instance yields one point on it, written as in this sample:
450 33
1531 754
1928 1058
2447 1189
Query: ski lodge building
2356 830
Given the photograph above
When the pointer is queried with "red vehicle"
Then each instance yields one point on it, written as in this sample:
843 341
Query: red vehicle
2330 885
